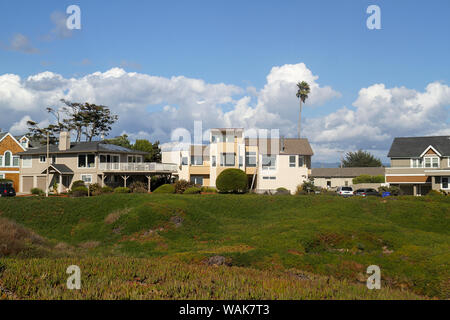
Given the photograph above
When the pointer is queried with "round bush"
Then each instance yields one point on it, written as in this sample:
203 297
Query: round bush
79 192
192 190
107 189
165 188
232 181
95 189
182 185
122 190
78 183
283 191
37 191
138 187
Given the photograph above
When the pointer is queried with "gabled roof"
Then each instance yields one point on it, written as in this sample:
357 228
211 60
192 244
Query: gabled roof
80 147
346 172
293 146
3 135
60 168
410 147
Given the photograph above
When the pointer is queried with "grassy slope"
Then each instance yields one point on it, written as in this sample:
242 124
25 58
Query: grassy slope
318 234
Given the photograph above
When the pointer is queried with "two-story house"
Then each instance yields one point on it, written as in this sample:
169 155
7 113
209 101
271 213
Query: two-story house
91 162
10 146
269 163
419 164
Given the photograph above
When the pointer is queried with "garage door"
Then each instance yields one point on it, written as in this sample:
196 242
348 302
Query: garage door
27 184
41 183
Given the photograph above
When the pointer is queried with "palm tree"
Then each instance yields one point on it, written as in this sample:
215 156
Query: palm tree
302 93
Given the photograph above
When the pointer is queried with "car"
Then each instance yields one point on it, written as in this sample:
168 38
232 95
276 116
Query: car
7 190
367 192
345 191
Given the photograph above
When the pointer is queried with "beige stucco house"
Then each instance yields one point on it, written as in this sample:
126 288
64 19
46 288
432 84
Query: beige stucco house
419 164
269 163
331 178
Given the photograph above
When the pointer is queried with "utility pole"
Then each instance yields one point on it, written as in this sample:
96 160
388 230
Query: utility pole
46 177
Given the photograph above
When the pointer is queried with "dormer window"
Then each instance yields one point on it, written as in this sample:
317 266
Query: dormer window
24 143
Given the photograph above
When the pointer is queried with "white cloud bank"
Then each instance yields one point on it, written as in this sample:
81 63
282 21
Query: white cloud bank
151 107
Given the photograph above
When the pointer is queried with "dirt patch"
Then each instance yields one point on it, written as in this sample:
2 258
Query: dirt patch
15 238
115 215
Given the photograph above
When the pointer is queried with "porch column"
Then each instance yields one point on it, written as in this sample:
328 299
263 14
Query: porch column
149 183
103 180
60 184
414 189
125 178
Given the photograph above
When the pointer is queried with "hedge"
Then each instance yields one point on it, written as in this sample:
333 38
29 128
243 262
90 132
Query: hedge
192 190
365 178
232 181
122 190
165 188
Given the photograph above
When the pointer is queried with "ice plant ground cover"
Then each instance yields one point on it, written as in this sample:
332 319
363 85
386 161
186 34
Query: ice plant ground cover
156 246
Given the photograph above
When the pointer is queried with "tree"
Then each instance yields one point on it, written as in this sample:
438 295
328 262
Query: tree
120 141
146 146
360 159
302 93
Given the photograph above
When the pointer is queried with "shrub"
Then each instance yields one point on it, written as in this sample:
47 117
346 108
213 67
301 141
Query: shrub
122 190
165 188
395 191
95 189
37 191
209 189
433 193
365 178
78 183
307 187
107 189
182 185
79 192
283 191
232 181
192 190
138 187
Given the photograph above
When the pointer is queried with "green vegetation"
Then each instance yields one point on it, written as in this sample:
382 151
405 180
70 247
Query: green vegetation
79 192
182 185
37 191
232 181
192 190
361 158
165 188
126 242
365 178
122 190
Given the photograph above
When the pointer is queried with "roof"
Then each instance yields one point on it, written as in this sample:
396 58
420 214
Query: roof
291 145
60 168
346 172
78 147
409 147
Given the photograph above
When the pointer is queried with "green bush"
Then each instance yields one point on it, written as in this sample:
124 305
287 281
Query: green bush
182 185
232 181
209 189
107 189
78 183
395 191
95 189
365 178
283 191
192 190
433 193
165 188
138 187
122 190
79 192
37 191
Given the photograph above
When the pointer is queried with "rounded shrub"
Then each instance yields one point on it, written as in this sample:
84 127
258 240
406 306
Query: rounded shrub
78 183
107 189
192 190
165 188
182 185
283 191
122 190
95 189
37 191
232 181
138 187
79 192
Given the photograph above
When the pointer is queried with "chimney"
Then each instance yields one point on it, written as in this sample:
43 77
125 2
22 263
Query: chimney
64 141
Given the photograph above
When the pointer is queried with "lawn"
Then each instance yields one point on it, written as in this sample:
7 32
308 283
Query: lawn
269 241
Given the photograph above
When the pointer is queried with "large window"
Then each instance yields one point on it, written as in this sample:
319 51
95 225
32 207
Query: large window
86 161
134 159
269 162
86 178
431 162
416 163
250 159
197 180
7 159
301 161
196 160
291 161
227 159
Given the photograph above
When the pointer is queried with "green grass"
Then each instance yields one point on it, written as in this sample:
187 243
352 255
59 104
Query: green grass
323 235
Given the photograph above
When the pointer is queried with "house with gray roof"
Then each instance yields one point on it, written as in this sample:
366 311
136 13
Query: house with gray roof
92 162
419 164
331 178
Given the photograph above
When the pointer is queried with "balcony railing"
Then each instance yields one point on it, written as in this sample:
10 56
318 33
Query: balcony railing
138 167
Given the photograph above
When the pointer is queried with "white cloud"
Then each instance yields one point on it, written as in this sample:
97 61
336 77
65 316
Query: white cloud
60 30
21 43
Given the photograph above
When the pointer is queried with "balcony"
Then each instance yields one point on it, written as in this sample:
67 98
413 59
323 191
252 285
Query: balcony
138 167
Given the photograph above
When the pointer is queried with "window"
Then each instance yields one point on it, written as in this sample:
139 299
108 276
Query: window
86 178
301 161
53 159
7 159
184 161
27 162
227 159
444 183
197 180
86 161
24 143
416 163
431 162
213 161
2 176
42 159
328 184
291 161
214 138
269 178
16 160
196 160
250 159
134 159
269 162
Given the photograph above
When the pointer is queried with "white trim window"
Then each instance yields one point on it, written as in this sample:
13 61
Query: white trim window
292 161
269 162
301 161
227 159
86 161
2 176
42 159
86 178
250 159
27 161
184 161
196 160
416 163
444 182
134 159
431 162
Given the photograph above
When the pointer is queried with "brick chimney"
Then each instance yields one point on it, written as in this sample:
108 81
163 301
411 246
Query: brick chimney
64 141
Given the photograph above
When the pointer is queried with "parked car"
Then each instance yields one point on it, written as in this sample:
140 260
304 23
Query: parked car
345 191
367 192
7 190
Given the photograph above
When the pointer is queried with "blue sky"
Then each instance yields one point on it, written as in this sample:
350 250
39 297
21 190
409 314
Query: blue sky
237 43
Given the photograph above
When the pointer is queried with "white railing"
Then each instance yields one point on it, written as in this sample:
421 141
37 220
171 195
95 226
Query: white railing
139 167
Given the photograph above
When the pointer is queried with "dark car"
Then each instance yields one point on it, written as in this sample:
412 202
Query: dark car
366 192
7 190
